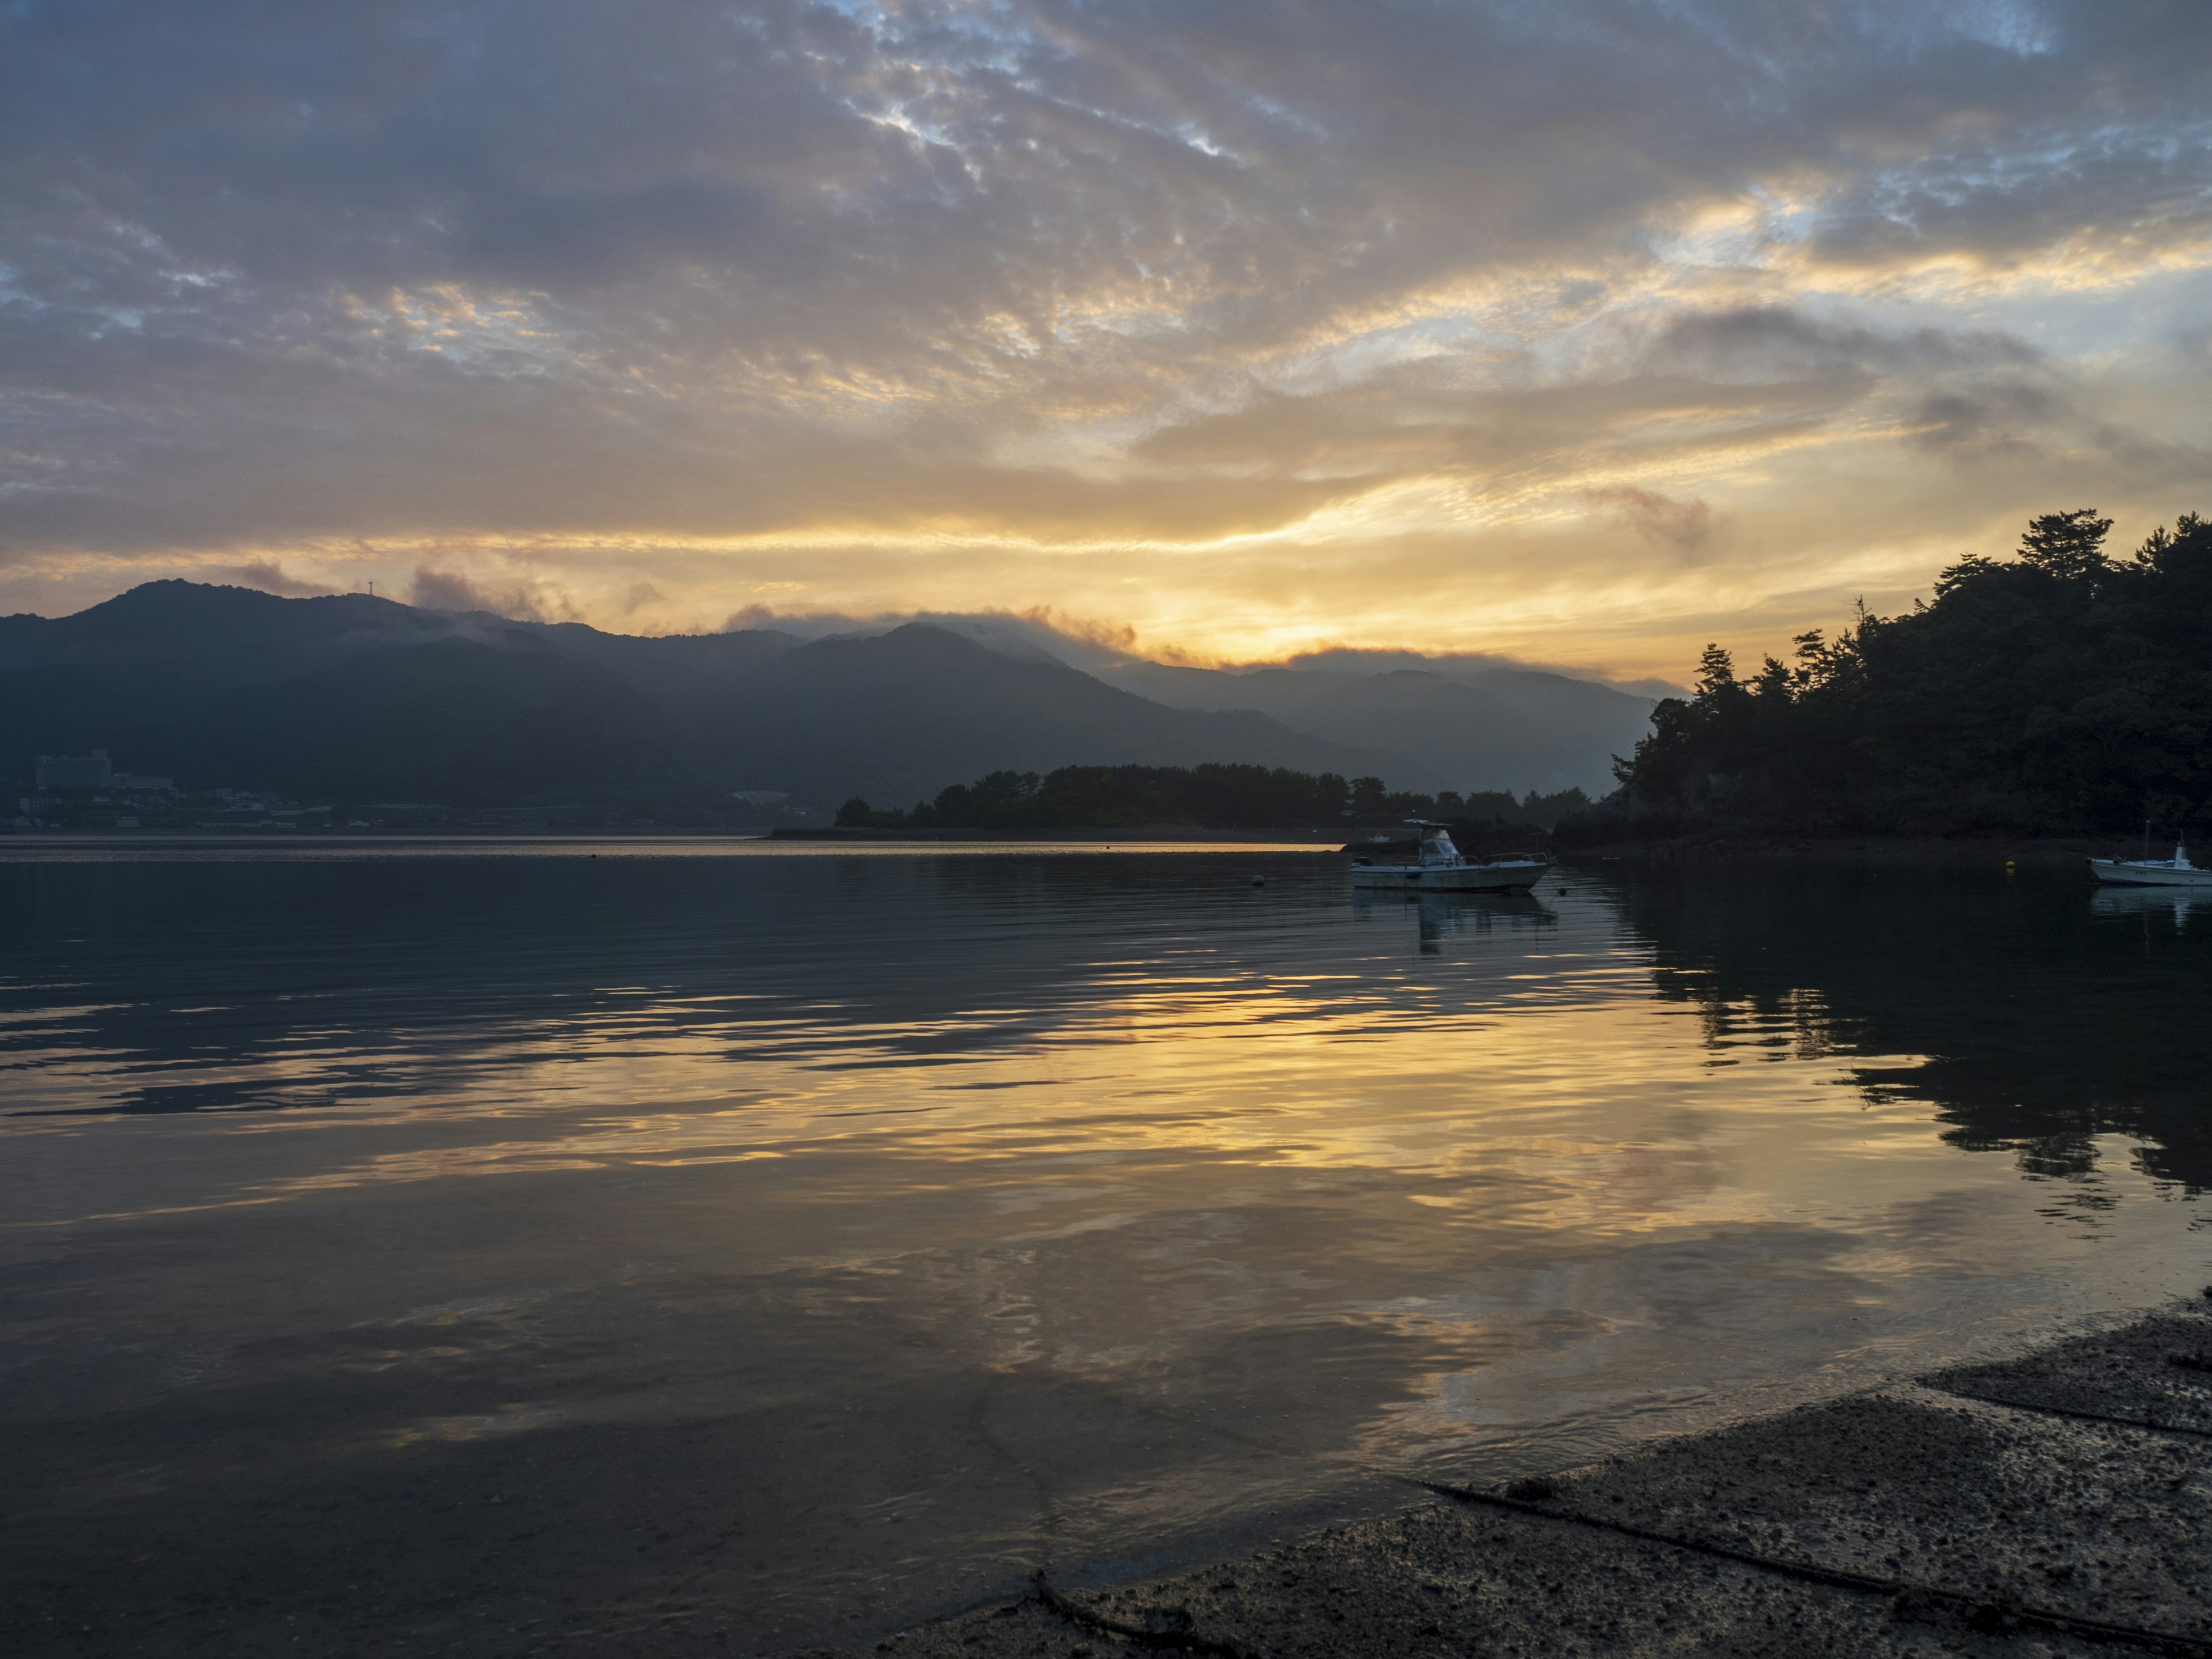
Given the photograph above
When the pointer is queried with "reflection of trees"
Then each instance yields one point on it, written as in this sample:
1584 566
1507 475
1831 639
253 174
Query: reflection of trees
2044 1017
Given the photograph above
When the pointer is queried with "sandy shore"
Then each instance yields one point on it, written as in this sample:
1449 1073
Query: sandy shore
2058 1504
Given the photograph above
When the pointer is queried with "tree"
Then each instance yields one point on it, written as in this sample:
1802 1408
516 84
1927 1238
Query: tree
1716 674
1005 785
853 815
2068 544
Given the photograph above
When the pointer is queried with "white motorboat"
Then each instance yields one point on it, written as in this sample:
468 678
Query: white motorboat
2176 872
1438 868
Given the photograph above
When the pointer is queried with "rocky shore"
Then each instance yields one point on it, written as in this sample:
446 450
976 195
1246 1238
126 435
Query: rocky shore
2055 1505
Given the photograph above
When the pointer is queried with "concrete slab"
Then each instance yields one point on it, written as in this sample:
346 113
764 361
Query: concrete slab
1446 1580
2019 1510
2156 1372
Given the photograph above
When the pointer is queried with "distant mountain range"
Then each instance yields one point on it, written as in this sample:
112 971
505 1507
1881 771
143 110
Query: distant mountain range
356 698
1521 728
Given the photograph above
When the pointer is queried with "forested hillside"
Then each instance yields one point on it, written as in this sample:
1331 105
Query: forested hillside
2061 690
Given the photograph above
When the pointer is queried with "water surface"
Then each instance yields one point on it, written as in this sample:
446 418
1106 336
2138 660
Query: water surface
662 1238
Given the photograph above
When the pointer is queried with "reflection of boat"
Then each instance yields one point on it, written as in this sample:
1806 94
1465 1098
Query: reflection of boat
1441 916
2133 900
2176 872
1438 868
1457 910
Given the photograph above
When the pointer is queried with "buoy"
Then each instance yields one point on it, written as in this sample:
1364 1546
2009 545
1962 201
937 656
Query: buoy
1563 892
1258 881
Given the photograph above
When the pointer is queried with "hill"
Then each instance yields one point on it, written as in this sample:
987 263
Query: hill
2059 691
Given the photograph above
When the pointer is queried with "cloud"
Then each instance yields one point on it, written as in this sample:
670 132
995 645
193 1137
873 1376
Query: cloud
269 576
521 601
1207 316
1999 422
1686 525
1784 342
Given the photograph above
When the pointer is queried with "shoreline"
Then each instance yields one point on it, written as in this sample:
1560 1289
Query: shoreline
1325 840
1322 839
2056 1503
2023 852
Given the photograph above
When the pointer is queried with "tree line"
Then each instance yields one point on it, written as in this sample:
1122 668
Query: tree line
2059 690
1213 796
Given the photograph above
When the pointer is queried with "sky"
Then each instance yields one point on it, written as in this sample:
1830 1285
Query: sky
1582 332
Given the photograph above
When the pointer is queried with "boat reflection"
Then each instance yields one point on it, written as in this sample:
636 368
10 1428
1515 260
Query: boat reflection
1442 916
2145 902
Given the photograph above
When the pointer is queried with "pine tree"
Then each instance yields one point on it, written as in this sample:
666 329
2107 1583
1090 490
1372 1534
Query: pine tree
2066 543
1716 674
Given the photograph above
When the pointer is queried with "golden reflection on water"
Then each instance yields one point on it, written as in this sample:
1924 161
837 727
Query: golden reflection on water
1560 1099
1597 1110
1319 1185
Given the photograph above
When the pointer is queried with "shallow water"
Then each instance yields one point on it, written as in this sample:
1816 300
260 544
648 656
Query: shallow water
805 1238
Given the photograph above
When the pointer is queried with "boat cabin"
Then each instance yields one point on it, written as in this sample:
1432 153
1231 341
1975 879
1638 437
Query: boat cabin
1437 845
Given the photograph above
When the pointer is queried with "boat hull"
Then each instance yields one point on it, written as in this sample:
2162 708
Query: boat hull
1517 875
2120 872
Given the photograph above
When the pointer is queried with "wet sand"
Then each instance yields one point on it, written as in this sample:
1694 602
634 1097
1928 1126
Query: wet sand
2057 1504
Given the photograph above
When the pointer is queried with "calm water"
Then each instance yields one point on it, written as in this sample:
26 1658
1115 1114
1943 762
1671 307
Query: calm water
791 1240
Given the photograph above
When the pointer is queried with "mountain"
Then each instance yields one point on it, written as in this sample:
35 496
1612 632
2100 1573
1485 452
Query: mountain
359 699
1486 728
897 716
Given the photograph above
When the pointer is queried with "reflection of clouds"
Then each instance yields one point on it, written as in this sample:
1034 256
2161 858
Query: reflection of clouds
922 306
1595 1113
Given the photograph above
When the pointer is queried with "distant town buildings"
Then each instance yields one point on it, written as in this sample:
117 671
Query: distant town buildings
85 792
90 771
93 771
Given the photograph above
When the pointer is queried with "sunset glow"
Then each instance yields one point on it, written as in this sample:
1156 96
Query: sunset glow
1582 333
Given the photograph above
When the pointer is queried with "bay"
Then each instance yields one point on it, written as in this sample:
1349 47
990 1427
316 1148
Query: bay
745 1244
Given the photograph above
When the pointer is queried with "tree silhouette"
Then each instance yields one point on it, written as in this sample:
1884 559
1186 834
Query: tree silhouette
2059 691
2068 544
